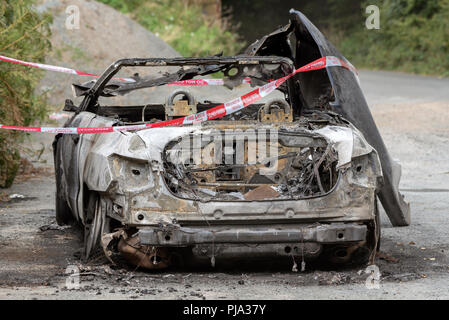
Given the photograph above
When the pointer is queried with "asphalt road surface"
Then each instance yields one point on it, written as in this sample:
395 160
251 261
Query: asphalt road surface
412 113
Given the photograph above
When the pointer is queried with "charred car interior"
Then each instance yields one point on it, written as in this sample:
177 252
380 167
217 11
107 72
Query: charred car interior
296 174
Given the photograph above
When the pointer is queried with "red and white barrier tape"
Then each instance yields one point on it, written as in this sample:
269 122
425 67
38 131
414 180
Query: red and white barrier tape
56 68
59 115
213 113
204 82
191 82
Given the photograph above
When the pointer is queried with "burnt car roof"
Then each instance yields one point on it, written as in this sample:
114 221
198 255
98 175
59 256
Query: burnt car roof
105 86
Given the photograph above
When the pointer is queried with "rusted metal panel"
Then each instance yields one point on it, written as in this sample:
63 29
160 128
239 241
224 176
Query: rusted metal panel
184 236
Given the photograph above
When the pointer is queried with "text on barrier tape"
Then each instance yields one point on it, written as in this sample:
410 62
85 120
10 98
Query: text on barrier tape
333 61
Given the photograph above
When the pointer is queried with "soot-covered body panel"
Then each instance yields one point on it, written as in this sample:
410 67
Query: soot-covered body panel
295 174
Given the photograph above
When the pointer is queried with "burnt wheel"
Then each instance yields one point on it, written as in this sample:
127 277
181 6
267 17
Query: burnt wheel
93 225
378 229
64 214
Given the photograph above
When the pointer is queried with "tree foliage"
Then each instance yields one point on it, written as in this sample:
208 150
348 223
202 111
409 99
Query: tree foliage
182 25
413 37
413 34
23 35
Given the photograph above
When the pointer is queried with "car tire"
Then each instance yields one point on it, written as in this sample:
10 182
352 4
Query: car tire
93 226
378 228
63 213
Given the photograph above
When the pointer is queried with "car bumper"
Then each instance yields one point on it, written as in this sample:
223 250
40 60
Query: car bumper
187 236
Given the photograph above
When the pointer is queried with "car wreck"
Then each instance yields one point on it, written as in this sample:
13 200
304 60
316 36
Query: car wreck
295 175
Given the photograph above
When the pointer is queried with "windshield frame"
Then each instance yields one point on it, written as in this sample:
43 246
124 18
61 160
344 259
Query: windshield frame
207 65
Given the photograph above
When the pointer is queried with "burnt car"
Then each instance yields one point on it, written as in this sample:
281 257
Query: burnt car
296 174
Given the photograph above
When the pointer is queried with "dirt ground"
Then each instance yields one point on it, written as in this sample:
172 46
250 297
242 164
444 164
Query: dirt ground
412 113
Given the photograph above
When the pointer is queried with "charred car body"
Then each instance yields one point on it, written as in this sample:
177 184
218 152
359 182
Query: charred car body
298 175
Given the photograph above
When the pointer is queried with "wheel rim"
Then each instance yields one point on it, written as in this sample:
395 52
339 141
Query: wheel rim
92 231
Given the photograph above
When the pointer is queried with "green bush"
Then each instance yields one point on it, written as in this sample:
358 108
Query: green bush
23 35
413 37
182 25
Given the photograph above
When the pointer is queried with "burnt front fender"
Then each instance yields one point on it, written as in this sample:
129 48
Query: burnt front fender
350 102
